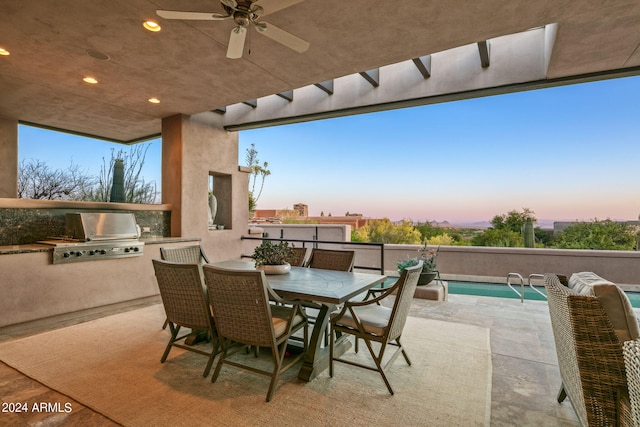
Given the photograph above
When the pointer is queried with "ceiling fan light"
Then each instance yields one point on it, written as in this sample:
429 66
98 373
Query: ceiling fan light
152 26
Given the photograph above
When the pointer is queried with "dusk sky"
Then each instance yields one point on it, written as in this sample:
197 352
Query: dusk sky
567 153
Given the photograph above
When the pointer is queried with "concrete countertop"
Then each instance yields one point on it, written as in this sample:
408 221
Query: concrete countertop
36 247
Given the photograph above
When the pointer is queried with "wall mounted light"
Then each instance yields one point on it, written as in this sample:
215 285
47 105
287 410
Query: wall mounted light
154 100
90 80
4 52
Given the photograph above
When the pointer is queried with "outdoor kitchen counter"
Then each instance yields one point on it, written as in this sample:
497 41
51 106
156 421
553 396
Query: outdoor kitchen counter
36 247
33 288
24 249
162 240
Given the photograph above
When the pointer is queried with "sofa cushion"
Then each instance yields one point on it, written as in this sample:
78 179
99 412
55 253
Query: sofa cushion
613 299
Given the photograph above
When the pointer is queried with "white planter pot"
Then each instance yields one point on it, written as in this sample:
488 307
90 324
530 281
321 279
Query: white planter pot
275 269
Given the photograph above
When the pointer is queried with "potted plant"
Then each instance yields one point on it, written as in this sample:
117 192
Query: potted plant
272 257
429 262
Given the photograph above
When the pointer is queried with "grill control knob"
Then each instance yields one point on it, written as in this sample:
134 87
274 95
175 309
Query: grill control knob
66 254
136 249
92 252
79 253
103 251
126 250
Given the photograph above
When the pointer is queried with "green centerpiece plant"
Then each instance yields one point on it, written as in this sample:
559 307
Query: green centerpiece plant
272 257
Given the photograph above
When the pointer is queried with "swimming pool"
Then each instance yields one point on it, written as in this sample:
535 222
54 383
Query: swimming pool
503 291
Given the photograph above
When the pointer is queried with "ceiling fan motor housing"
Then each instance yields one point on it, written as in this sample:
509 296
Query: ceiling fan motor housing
241 18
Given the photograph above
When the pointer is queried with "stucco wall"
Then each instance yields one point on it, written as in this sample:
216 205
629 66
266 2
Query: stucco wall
478 263
193 147
33 288
213 150
9 156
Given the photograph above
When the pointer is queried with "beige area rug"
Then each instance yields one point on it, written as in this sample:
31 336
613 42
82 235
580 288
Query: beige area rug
112 365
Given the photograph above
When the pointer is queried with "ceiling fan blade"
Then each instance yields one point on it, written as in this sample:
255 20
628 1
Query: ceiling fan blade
271 6
233 4
202 16
236 42
283 37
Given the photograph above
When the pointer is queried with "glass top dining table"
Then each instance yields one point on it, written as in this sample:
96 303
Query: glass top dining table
326 289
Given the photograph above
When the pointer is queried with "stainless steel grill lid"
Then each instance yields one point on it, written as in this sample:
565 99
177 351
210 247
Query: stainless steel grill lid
91 226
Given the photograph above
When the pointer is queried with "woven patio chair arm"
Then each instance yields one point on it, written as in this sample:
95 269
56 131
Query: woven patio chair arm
295 305
385 293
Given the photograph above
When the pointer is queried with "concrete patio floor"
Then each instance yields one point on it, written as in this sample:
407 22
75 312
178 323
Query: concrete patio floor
525 371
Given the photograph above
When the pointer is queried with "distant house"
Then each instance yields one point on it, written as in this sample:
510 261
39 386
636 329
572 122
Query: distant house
300 214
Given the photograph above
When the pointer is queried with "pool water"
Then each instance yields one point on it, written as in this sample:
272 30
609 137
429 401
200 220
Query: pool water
503 291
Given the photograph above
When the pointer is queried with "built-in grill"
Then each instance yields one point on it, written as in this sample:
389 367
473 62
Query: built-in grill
94 236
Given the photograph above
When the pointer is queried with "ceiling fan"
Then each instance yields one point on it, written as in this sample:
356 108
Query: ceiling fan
245 13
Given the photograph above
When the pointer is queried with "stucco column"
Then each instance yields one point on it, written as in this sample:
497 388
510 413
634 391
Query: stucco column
195 149
9 156
172 147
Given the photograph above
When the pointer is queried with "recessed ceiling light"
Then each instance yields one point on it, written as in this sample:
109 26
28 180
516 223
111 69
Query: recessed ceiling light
91 80
151 26
154 100
4 52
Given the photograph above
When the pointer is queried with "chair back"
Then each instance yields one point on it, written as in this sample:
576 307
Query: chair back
182 294
184 254
297 259
406 287
328 259
240 303
631 352
586 342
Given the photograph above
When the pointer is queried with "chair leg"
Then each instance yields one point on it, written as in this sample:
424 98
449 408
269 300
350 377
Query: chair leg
378 361
165 324
224 345
331 345
278 359
214 351
404 353
562 394
174 334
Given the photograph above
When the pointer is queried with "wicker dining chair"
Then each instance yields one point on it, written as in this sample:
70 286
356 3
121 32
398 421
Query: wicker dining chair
193 254
589 350
298 257
371 322
185 304
328 259
629 407
244 317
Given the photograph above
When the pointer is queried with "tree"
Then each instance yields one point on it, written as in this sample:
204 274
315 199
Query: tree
384 231
36 180
427 230
506 231
136 189
498 237
604 235
258 174
513 221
